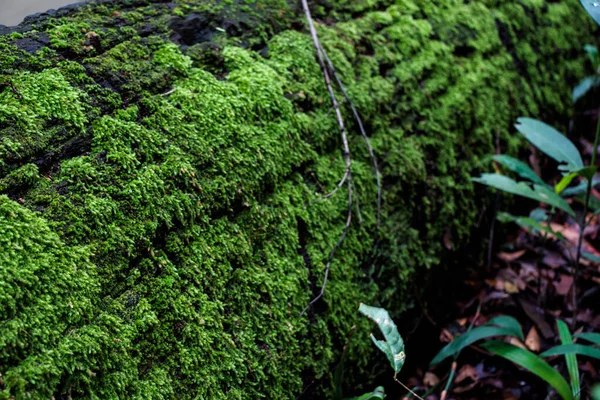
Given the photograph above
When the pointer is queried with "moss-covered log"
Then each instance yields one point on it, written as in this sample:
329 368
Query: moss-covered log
157 158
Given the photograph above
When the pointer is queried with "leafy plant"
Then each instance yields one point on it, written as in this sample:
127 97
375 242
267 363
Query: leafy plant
558 147
392 345
508 326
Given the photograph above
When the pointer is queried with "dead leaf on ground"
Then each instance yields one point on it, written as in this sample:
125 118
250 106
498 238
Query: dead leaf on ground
554 260
430 379
446 336
516 342
510 287
571 233
532 341
509 257
563 286
537 316
467 371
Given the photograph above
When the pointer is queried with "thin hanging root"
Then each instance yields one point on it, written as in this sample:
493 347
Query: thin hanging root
346 148
362 132
337 246
329 70
337 187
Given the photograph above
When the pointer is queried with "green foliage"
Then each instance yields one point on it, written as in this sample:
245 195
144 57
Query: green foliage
568 349
571 359
499 326
541 193
532 363
393 345
551 142
377 394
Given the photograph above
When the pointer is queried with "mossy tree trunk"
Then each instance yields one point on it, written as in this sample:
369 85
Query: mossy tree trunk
157 158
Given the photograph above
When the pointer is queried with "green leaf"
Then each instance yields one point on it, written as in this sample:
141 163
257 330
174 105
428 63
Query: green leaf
468 338
508 323
528 223
593 8
589 336
590 257
551 142
532 363
377 394
538 215
581 349
393 345
584 86
564 182
587 173
519 167
592 52
571 359
539 192
596 392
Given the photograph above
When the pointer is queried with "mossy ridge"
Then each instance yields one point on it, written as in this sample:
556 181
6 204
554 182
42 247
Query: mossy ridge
191 193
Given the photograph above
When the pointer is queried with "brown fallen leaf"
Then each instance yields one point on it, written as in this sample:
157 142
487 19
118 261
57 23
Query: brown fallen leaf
532 341
554 260
467 371
430 379
516 342
510 287
446 336
508 257
564 285
571 233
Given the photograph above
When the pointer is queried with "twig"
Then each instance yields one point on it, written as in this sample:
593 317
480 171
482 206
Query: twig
362 132
346 149
407 388
332 253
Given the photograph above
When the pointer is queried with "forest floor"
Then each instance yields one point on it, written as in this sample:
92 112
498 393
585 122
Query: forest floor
530 279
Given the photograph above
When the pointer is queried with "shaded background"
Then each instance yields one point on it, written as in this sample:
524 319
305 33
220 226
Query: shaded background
12 12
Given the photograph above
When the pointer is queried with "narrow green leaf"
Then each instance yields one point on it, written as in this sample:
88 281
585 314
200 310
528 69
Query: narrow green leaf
528 223
532 363
377 394
551 142
519 167
581 349
468 338
590 257
584 86
592 52
564 182
539 193
592 337
508 323
596 392
587 173
393 345
571 359
593 8
580 188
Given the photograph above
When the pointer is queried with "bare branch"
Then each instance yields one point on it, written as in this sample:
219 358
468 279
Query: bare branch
333 251
362 132
346 150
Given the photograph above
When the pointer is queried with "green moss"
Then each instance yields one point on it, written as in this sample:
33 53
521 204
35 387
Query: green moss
177 180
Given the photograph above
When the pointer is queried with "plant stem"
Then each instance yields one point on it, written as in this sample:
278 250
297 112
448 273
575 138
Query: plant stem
583 224
407 388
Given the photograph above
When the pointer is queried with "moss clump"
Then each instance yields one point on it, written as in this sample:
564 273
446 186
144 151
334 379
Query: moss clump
164 164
